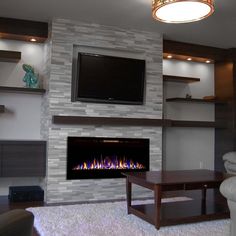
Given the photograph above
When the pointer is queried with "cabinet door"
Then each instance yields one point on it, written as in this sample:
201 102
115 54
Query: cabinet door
23 159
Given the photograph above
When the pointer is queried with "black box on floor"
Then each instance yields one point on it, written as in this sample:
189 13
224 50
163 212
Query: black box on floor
25 193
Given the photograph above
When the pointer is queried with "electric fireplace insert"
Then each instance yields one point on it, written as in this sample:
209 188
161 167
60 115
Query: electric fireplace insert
100 157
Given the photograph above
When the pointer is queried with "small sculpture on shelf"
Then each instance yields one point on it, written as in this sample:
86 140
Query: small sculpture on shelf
30 78
188 96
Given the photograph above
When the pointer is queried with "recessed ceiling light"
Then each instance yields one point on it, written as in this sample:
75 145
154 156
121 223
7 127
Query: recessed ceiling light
169 56
208 61
189 59
33 40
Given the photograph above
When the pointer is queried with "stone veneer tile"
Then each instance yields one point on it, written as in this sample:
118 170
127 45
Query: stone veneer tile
66 35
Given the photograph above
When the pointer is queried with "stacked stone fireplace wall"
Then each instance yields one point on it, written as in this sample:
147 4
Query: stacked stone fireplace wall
67 35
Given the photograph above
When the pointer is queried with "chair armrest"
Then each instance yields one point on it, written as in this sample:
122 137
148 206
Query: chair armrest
228 188
17 222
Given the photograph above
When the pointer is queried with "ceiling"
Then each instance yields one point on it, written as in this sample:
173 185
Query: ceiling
219 30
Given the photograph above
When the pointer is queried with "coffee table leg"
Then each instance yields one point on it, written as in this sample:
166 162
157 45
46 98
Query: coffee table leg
204 199
157 198
128 194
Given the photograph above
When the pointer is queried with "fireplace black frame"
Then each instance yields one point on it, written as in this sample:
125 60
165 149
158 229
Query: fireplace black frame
100 174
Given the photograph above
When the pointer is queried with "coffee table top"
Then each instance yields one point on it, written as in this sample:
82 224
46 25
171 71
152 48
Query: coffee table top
177 177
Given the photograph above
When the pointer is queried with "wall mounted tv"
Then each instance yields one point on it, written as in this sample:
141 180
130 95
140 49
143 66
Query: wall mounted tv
108 79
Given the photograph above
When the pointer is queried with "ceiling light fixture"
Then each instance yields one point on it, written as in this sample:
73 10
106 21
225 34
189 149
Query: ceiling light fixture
189 59
181 11
169 56
208 61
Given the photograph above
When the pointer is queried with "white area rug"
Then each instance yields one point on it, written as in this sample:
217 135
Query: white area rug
111 219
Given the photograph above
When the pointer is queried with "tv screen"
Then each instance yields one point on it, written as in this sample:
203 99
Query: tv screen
108 79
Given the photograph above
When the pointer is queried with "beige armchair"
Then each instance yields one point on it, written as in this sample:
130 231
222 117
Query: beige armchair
17 222
228 190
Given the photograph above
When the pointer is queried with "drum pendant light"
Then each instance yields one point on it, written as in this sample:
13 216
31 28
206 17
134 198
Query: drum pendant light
181 11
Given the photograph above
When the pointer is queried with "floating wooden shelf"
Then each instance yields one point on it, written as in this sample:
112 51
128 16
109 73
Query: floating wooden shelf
202 124
9 56
2 108
198 100
180 79
22 90
82 120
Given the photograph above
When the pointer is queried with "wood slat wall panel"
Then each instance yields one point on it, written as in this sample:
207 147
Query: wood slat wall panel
23 158
225 90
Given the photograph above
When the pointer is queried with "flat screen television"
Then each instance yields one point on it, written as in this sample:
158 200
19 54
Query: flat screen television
108 79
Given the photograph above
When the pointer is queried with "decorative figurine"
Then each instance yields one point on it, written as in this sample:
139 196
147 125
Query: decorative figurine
188 96
30 78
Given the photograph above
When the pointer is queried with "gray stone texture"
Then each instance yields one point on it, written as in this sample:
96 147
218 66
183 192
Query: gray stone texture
66 37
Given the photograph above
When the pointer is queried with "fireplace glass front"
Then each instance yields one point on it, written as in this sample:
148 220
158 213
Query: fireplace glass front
99 157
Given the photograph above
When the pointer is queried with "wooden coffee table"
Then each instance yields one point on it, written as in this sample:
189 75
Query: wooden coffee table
160 214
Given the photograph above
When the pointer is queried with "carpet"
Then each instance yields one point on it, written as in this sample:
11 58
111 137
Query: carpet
111 219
